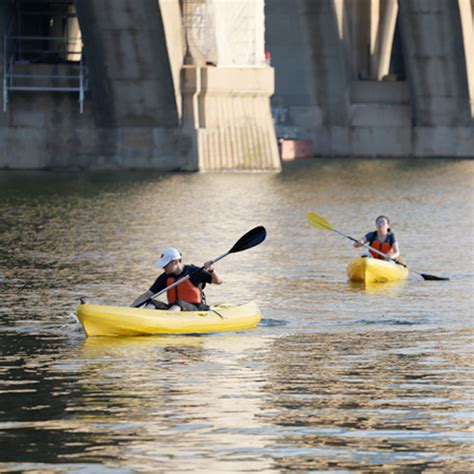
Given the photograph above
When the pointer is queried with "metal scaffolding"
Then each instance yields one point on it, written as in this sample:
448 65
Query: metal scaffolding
44 63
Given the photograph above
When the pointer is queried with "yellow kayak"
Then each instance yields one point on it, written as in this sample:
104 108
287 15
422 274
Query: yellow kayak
98 320
374 270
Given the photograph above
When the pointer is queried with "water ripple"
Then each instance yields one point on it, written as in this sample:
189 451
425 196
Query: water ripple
337 377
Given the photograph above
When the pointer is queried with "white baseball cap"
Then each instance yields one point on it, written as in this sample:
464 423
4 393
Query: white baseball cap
167 256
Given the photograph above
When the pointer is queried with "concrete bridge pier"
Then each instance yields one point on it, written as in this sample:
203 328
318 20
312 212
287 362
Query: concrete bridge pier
466 13
227 86
193 70
171 85
439 65
391 78
228 111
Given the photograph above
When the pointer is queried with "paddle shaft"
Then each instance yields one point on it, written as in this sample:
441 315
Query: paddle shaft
367 246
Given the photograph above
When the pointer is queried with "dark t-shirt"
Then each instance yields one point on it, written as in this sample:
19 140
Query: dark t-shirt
199 279
371 236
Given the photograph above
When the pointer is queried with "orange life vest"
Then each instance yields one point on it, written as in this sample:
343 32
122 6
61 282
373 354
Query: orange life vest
185 291
385 248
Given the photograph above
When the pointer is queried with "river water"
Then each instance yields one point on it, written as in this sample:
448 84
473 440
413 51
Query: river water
337 377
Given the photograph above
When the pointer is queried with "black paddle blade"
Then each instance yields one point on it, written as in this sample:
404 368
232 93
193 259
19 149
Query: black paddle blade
432 277
250 239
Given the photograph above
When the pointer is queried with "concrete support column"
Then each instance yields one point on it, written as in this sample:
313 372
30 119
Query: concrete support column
472 13
327 59
74 37
224 33
374 25
384 39
228 110
227 85
130 61
466 12
200 42
433 39
7 13
344 31
360 15
175 44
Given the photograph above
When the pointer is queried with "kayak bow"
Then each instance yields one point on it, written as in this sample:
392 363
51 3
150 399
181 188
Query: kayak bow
374 270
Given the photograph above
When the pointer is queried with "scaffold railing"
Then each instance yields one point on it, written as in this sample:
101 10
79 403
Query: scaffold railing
44 64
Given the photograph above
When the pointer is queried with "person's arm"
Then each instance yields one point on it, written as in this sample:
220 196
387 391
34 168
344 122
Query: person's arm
142 298
394 251
209 267
160 283
360 242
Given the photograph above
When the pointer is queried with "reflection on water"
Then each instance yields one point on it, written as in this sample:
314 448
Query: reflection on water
338 376
383 396
387 289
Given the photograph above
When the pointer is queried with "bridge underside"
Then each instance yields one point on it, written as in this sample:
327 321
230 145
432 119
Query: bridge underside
154 96
375 77
184 84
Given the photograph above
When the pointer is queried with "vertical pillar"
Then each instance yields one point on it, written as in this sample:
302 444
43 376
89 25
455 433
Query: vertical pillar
384 43
227 85
130 62
73 35
433 38
466 11
341 11
6 16
199 33
374 25
174 33
361 37
327 58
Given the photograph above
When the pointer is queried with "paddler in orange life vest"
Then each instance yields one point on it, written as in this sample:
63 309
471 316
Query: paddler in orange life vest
382 239
188 295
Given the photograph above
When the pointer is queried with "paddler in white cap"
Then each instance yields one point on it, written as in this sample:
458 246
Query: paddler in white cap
187 295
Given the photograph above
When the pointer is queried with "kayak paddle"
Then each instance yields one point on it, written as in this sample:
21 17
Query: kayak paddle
320 222
251 239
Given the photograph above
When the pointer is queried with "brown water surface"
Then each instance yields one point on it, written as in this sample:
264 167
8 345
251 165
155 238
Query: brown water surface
338 376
